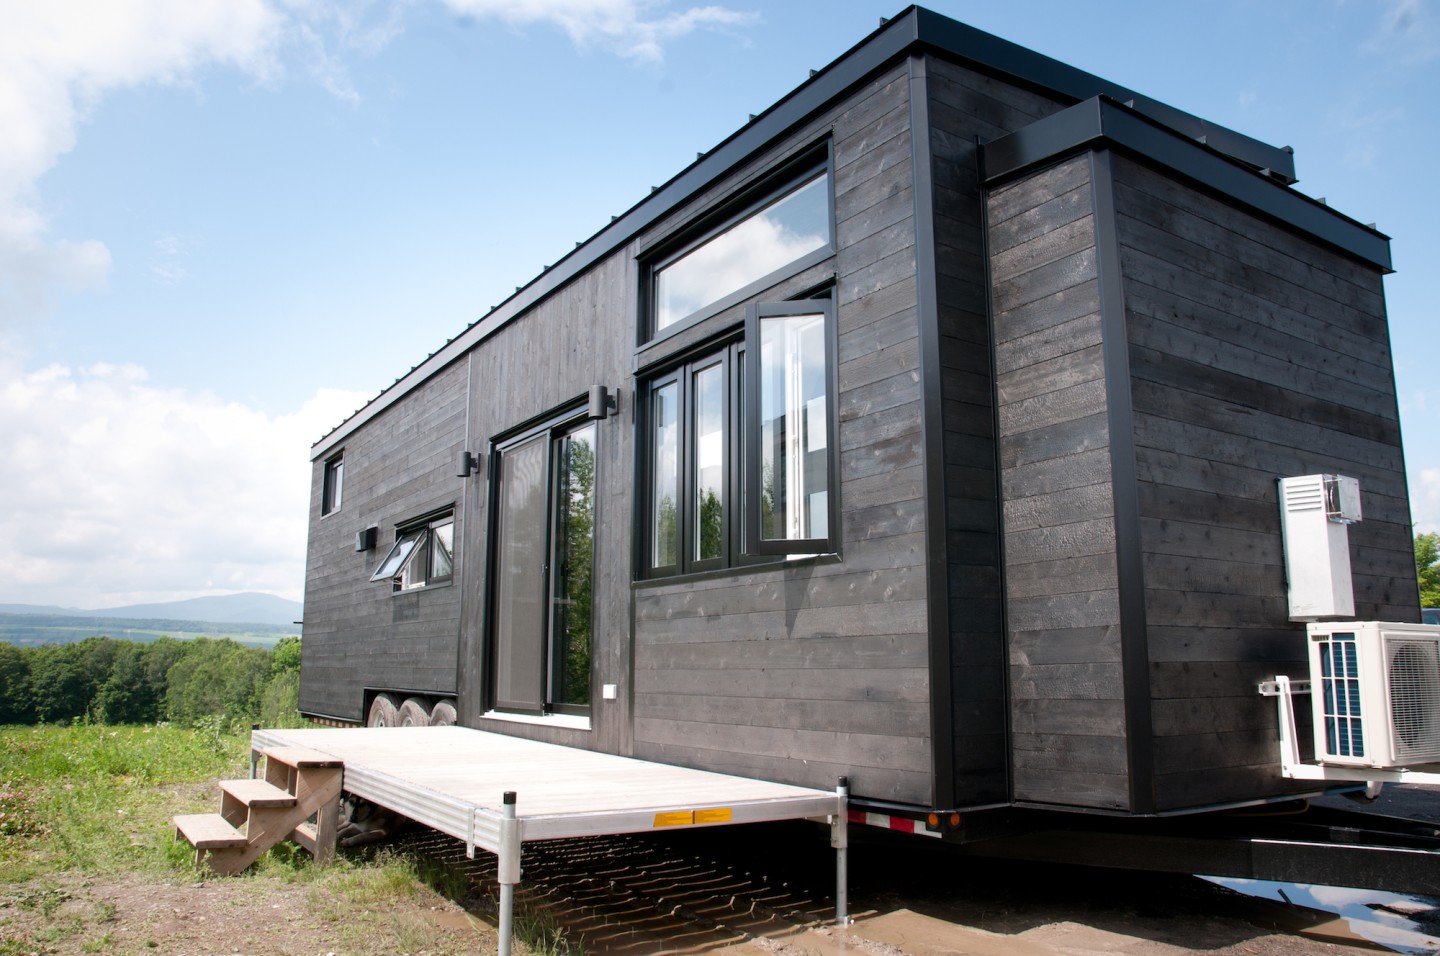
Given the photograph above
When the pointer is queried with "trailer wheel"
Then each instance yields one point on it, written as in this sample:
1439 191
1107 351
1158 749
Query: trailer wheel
384 710
443 714
414 713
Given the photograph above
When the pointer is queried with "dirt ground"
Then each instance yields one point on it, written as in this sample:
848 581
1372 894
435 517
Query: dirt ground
732 891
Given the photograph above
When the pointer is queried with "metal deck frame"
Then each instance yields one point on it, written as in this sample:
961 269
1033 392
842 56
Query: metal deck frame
442 796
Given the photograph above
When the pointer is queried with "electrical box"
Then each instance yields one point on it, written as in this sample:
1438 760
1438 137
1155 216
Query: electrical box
1315 514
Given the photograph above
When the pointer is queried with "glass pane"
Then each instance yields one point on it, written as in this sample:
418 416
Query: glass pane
334 486
442 551
412 572
665 475
709 411
395 560
790 227
521 552
574 565
794 461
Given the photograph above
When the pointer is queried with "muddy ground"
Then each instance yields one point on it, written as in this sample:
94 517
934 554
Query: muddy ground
731 891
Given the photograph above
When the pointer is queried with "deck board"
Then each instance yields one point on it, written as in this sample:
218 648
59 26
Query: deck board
561 791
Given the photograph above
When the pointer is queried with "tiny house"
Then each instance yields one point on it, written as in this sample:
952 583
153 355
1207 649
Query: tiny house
925 431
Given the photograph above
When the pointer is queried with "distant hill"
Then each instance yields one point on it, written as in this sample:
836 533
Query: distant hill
250 607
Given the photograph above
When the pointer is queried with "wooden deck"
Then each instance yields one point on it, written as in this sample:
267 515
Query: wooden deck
453 779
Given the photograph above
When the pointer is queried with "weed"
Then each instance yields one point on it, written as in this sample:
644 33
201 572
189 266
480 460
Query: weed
537 929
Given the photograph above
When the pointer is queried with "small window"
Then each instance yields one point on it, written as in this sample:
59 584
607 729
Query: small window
423 555
790 424
786 230
334 485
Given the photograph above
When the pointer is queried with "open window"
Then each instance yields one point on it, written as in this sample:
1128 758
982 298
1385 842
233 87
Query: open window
333 486
544 568
423 555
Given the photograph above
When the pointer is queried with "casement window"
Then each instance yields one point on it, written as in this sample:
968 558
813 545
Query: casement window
423 554
741 444
333 485
543 568
789 227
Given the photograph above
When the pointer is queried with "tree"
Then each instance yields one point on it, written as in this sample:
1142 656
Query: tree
217 678
58 679
17 705
126 697
285 656
1427 567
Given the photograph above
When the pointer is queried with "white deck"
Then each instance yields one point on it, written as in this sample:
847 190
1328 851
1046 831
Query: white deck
453 779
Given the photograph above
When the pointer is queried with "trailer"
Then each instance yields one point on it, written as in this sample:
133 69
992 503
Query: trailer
925 432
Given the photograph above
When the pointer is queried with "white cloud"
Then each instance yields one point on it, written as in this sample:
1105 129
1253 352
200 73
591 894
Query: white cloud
118 491
632 28
1425 499
57 59
1409 31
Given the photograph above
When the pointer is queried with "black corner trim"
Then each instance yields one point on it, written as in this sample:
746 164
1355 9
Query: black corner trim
1099 123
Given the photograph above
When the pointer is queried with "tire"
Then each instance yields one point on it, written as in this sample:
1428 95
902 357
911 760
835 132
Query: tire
415 712
443 714
384 711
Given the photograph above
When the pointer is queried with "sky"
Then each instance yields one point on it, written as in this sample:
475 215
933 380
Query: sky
226 224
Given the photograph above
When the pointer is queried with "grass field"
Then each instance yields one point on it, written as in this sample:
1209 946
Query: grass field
89 862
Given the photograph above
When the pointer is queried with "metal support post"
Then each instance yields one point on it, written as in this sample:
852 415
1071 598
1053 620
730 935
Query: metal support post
254 754
508 871
840 840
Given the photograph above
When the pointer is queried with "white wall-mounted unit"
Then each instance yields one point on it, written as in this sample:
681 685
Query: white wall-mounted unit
1315 513
1375 693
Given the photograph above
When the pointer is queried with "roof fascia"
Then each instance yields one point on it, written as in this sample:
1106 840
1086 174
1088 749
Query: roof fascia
1099 122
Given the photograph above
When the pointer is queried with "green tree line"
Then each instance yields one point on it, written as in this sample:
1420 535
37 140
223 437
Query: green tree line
112 681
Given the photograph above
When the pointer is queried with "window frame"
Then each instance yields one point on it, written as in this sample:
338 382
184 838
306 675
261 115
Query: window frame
755 544
816 161
555 428
332 485
420 532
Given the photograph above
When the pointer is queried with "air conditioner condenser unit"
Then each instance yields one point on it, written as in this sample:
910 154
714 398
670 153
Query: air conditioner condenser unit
1375 691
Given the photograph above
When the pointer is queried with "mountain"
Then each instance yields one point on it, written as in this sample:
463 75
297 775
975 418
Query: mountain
247 608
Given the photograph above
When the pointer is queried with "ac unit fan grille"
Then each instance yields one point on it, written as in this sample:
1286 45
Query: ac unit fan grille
1340 696
1414 677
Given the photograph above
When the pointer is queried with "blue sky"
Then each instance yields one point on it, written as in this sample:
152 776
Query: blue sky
224 224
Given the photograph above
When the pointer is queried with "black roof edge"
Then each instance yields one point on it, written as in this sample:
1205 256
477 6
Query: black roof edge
1100 121
912 27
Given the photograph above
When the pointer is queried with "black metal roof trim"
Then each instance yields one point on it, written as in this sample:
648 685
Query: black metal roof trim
912 28
1099 122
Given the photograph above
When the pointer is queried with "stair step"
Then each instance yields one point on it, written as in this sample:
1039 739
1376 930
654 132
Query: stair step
301 757
257 793
208 831
305 836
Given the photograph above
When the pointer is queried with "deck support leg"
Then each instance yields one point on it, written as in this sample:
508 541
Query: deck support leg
840 840
508 871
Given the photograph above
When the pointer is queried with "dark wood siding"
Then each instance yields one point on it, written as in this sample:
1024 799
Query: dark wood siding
1066 684
964 106
1254 354
358 634
809 671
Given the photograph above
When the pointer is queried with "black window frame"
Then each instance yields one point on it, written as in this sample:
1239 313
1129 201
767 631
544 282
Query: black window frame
556 427
741 548
756 313
420 531
332 485
817 160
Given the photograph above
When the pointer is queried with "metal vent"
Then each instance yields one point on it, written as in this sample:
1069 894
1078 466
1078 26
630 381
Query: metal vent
1305 494
1340 696
1413 672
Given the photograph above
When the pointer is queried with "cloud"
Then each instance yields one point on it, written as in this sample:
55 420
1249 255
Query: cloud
632 28
1425 499
1409 32
57 60
118 491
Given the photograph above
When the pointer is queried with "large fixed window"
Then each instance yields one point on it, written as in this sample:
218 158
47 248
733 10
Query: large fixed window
786 230
333 486
423 554
739 443
544 569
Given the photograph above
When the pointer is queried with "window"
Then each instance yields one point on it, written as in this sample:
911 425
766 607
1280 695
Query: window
703 435
544 569
333 485
789 229
423 555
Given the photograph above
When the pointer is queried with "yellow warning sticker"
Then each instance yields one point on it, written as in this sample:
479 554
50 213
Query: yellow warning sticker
713 815
678 818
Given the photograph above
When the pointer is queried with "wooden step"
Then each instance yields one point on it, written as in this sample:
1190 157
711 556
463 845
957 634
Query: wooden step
257 793
305 835
208 831
301 757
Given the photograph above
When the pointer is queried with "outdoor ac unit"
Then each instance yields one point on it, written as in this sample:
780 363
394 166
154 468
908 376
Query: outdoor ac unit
1375 690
